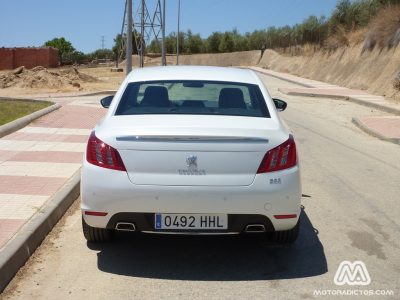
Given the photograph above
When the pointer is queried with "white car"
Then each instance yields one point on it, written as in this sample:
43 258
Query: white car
191 150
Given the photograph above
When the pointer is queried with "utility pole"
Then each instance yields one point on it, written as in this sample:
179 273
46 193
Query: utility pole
102 42
177 37
121 49
142 33
164 60
129 38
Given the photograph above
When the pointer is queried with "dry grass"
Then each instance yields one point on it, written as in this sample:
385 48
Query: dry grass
384 29
396 82
337 40
383 32
357 37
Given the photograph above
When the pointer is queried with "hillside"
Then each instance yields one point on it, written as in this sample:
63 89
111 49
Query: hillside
367 58
374 71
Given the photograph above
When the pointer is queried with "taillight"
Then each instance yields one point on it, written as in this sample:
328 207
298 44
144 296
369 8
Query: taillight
96 213
100 154
291 216
281 157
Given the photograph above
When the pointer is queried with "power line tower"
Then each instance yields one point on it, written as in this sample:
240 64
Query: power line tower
148 23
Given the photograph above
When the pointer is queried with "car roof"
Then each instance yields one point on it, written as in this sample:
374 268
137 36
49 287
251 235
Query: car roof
193 73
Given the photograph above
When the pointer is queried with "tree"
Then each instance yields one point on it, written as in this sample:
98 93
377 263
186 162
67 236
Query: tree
182 41
118 45
101 54
64 47
170 43
258 38
77 57
240 42
154 47
213 42
227 44
194 43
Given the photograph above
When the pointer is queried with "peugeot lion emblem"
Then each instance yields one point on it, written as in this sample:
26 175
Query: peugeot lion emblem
191 161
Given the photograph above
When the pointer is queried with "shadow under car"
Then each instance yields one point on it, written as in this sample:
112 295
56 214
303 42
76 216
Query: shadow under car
213 258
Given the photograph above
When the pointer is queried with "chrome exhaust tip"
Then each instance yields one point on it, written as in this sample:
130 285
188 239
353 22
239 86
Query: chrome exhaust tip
255 228
123 226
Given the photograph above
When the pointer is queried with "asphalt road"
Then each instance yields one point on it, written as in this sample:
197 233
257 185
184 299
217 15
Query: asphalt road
351 187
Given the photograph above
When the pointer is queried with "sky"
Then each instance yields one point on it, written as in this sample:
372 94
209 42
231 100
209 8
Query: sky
83 22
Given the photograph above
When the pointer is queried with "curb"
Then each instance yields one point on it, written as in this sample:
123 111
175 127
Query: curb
22 122
347 98
384 108
87 94
55 95
18 250
360 125
341 97
283 78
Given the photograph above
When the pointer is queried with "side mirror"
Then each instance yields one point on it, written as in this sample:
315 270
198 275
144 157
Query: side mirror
280 104
106 102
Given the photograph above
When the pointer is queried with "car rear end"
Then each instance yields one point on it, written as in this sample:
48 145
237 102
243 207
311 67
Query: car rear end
194 167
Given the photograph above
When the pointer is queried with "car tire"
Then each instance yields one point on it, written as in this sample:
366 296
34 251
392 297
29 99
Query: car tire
287 236
96 235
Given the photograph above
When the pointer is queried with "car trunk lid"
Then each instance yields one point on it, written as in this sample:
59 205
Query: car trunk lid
193 151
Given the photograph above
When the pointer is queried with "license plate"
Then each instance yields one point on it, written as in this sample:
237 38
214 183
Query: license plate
191 221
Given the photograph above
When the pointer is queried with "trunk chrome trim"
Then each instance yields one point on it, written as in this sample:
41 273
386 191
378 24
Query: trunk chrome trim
187 139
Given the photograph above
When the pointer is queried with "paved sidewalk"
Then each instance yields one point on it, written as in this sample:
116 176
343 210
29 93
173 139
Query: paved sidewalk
36 161
386 128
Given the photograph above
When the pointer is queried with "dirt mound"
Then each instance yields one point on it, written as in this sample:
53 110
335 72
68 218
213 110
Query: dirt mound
42 78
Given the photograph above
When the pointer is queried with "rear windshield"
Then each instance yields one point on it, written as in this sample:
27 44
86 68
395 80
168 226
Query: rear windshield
193 97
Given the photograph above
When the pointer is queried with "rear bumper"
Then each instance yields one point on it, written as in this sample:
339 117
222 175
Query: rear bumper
104 190
145 222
